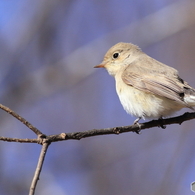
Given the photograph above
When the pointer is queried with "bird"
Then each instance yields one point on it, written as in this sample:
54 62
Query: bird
147 88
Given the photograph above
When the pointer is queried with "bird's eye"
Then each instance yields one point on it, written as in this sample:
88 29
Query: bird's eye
115 55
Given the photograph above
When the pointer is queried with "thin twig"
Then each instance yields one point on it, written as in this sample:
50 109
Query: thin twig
115 130
39 168
8 139
24 121
118 130
46 140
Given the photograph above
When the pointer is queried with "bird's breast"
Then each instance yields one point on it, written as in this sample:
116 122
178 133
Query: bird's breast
142 104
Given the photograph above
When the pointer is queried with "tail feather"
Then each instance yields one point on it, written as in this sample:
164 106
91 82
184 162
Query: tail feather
189 97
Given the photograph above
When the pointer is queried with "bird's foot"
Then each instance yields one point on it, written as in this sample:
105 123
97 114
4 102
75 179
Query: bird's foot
161 121
136 122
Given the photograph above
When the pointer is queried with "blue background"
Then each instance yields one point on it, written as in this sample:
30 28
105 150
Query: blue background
47 53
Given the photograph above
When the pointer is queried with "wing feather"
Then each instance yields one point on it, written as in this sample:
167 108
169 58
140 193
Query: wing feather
157 84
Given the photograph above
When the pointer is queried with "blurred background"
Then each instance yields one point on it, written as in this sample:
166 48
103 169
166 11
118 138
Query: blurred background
47 53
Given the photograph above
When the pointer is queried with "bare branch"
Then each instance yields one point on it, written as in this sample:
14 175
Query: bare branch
118 130
39 168
94 132
24 121
19 140
45 141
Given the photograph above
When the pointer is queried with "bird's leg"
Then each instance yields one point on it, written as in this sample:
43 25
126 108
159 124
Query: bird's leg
136 122
162 123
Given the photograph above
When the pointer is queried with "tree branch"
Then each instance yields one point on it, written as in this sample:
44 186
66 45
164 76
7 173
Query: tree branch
39 168
45 140
118 130
21 119
107 131
8 139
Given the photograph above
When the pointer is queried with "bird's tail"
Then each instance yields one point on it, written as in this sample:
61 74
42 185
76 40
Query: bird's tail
189 97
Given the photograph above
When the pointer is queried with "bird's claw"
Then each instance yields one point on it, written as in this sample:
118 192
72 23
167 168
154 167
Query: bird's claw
136 122
161 121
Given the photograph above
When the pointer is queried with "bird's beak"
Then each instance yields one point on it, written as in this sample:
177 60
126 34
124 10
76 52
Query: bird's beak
100 66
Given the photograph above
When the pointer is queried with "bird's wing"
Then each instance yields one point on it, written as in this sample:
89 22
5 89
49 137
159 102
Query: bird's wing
154 82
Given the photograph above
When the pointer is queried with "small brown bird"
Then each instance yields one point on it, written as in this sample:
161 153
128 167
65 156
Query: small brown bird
146 87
